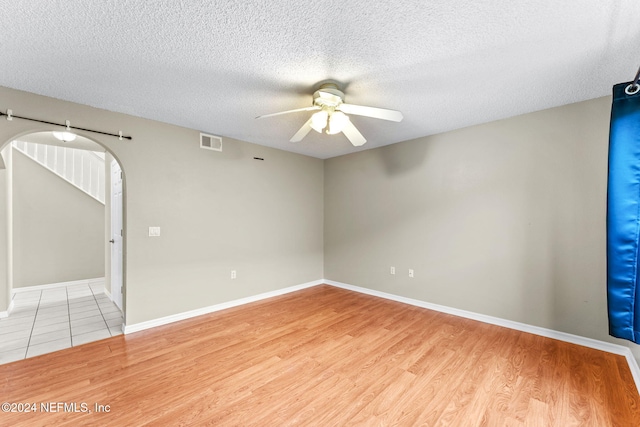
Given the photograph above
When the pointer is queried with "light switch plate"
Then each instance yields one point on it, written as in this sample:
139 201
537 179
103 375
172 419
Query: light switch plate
154 231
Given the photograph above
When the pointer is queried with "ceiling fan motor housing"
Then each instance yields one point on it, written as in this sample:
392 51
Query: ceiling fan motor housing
328 95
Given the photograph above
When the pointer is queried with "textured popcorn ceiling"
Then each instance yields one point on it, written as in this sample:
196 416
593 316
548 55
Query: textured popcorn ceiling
214 66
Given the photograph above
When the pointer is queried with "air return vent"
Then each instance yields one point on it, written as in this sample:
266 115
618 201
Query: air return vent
210 142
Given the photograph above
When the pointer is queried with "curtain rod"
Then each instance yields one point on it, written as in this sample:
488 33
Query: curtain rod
10 116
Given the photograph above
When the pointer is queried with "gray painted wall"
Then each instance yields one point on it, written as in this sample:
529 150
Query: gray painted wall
505 219
58 230
217 211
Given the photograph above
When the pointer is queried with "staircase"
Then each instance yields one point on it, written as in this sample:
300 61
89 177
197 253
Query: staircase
81 168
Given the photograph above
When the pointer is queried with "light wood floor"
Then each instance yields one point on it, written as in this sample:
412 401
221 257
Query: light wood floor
326 357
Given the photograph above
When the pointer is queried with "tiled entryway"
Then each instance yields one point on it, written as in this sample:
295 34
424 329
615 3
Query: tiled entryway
54 319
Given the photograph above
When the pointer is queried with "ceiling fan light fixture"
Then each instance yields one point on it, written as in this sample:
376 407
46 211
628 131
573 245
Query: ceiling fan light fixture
319 121
64 136
331 110
337 122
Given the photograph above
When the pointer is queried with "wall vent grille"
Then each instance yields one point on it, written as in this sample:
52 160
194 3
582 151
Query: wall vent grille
210 142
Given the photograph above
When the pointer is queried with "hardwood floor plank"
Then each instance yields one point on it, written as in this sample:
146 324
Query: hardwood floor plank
326 356
523 386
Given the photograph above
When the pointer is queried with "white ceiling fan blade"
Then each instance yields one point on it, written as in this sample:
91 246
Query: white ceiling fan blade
304 130
353 134
377 113
289 111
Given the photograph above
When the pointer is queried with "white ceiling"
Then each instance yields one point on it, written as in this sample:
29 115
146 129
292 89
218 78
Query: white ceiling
214 66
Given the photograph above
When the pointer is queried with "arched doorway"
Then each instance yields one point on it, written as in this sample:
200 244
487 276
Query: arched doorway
44 139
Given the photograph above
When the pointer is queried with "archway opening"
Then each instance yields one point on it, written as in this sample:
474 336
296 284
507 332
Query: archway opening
61 233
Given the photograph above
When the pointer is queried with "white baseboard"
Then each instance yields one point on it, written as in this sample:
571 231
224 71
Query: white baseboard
136 327
57 285
549 333
6 313
107 293
633 367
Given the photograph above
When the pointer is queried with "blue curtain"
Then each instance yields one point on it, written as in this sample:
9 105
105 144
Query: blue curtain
623 215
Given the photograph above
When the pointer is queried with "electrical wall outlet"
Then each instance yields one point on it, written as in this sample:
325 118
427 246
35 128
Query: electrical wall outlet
233 274
411 273
392 270
154 231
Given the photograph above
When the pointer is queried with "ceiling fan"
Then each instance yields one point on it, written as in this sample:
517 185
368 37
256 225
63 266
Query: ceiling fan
331 114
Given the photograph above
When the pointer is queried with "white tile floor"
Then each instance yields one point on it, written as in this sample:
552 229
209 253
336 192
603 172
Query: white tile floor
54 319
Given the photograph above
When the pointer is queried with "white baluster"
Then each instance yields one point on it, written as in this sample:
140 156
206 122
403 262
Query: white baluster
83 169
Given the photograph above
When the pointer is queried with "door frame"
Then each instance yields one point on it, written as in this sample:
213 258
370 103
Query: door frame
116 233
